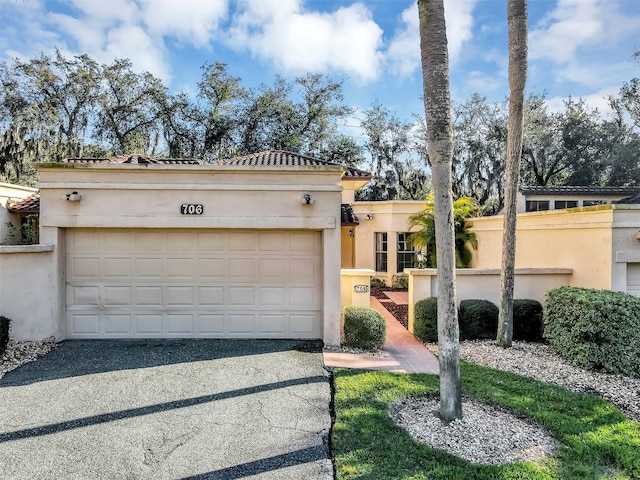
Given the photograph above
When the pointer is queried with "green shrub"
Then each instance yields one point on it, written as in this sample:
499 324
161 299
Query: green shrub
377 283
5 323
400 281
527 320
364 327
477 319
594 329
425 320
27 234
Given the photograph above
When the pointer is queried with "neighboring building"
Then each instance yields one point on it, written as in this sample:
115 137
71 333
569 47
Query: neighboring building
537 199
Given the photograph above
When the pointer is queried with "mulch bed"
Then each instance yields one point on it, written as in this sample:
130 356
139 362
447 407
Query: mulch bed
400 312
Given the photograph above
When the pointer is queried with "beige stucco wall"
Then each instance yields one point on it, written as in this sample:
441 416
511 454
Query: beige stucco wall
349 278
26 297
150 196
10 192
389 216
484 284
578 239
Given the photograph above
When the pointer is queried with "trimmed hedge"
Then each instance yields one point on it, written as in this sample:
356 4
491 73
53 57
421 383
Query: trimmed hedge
5 323
478 319
364 327
594 329
527 320
425 320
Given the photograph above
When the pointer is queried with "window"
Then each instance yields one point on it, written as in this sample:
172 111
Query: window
381 251
537 205
591 203
406 253
560 204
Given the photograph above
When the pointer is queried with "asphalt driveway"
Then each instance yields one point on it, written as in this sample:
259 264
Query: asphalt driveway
219 409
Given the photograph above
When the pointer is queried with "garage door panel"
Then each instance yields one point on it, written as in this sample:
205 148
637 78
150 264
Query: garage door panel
82 296
117 324
85 324
117 242
241 296
149 296
193 283
148 324
115 296
116 268
179 296
179 323
272 324
242 241
240 324
210 324
83 268
181 268
149 268
273 241
270 297
211 296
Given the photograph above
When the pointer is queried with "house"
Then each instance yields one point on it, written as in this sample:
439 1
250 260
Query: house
138 247
537 199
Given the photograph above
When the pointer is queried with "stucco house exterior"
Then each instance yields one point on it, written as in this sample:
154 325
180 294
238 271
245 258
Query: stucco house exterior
138 247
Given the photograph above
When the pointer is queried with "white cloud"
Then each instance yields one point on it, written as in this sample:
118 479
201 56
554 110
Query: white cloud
193 21
574 24
296 40
404 49
599 100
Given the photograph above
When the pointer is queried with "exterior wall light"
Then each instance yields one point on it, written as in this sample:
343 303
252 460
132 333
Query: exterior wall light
74 197
351 234
420 258
307 199
369 216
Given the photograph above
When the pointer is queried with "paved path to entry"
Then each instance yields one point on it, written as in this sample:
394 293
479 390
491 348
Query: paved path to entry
401 351
168 410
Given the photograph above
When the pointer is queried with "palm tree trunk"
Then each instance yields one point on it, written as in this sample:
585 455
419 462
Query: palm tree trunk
517 21
437 102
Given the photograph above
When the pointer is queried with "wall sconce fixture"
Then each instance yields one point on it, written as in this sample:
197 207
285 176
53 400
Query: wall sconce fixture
74 197
351 232
307 199
420 258
369 216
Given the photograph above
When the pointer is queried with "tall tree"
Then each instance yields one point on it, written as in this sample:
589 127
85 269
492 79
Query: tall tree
130 109
437 103
517 24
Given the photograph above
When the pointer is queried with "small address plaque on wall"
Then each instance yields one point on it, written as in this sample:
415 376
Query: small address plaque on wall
191 209
361 288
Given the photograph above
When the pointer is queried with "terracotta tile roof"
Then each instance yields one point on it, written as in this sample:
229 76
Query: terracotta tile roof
348 217
27 205
277 158
579 190
135 159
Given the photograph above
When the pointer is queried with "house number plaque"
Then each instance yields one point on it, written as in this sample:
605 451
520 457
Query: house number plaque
361 288
191 209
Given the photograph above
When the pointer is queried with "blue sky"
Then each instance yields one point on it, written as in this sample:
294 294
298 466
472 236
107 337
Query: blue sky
579 48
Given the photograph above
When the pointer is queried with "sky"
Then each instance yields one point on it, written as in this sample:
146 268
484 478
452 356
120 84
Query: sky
578 48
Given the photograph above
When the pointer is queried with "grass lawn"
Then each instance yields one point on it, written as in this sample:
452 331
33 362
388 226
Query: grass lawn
597 441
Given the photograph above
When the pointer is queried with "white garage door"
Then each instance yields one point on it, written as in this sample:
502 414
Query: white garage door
193 283
633 279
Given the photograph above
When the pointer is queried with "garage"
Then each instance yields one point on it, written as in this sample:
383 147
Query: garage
148 283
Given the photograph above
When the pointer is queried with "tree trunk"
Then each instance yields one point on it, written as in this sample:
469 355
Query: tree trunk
517 21
437 103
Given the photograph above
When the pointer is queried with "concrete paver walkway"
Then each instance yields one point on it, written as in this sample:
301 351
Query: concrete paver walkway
399 298
401 351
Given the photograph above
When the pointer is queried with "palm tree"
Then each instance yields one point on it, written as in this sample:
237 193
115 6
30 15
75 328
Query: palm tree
465 240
